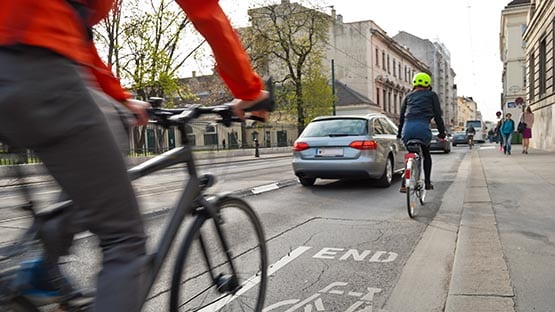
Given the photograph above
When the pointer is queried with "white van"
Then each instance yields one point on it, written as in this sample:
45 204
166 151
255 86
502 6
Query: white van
481 130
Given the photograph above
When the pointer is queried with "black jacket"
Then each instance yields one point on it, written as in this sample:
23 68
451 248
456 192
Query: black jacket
421 105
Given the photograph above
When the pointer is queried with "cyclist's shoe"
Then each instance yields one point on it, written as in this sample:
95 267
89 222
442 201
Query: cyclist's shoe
42 286
403 189
428 186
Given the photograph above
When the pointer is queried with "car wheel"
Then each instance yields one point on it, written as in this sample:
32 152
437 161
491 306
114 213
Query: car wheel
387 177
454 144
307 181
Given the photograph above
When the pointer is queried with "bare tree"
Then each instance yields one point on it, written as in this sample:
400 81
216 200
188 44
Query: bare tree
288 39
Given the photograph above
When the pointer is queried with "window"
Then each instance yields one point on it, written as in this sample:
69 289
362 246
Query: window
377 128
210 135
383 60
378 96
384 99
531 82
394 67
377 57
388 126
336 127
542 67
553 57
389 102
388 65
395 101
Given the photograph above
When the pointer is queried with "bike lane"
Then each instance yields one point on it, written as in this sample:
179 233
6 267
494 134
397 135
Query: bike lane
338 265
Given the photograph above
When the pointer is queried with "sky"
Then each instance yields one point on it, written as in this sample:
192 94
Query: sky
468 28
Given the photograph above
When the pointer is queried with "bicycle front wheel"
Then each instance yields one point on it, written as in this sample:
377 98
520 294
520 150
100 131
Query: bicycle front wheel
222 264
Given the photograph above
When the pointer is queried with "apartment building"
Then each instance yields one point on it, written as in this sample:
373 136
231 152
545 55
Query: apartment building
438 59
540 71
371 63
467 109
512 50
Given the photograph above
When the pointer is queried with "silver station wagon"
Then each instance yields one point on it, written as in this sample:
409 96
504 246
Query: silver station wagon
349 147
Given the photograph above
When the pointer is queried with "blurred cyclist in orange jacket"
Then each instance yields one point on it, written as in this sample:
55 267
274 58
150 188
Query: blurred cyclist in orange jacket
52 82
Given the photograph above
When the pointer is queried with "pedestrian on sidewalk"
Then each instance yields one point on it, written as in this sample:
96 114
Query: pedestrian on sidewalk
528 118
507 129
498 136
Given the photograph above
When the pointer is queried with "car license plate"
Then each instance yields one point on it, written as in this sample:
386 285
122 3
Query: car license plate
434 141
329 152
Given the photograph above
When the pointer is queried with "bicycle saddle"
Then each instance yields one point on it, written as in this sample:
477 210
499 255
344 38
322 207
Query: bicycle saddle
413 145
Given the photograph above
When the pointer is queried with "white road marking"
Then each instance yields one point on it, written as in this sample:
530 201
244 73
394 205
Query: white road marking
264 188
254 280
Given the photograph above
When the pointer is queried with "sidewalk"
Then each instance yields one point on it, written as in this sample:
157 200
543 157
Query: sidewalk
493 239
506 242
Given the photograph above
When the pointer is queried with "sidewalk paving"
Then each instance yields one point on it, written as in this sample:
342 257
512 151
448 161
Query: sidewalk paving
506 241
493 239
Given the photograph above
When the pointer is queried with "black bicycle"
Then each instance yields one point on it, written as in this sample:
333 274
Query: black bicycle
222 261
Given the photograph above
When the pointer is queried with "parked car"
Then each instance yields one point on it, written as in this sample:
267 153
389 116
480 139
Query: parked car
343 147
440 145
459 138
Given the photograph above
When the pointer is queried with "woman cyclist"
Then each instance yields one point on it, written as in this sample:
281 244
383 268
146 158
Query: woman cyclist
417 110
49 66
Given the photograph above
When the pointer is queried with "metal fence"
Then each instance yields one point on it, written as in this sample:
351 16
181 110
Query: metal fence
15 156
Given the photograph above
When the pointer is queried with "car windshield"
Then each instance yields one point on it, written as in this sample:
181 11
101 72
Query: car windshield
435 131
336 127
476 124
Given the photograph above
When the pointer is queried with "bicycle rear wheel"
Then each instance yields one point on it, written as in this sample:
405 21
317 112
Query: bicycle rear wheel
415 189
205 279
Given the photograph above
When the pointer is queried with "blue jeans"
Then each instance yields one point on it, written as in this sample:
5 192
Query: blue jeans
507 137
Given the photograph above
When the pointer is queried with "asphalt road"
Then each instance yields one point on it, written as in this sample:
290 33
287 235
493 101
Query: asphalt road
349 245
344 243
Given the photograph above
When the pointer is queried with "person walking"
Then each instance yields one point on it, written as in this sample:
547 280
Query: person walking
528 118
507 129
497 131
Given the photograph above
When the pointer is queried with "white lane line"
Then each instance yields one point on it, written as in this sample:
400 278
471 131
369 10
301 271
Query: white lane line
264 188
255 279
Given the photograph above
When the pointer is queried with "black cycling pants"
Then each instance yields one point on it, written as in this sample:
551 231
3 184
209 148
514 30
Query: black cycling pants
427 163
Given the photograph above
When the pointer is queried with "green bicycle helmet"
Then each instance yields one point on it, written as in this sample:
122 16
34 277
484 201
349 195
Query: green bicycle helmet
421 80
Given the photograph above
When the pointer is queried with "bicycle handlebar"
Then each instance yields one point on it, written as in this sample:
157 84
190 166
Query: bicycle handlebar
167 117
179 116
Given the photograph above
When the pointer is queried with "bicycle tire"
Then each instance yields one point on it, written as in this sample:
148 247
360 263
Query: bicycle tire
415 190
191 275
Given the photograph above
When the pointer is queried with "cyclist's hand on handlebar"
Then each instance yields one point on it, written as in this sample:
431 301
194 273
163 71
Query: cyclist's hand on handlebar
239 106
138 108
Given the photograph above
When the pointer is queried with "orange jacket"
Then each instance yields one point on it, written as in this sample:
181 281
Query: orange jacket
54 24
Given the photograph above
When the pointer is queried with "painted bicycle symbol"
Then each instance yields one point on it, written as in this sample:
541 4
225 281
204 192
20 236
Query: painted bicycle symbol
315 302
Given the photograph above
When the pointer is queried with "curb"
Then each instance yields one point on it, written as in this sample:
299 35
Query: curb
480 279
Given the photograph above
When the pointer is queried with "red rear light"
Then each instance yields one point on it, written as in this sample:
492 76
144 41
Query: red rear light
407 174
300 146
364 145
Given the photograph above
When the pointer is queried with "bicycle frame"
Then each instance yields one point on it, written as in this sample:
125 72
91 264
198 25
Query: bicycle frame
187 202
